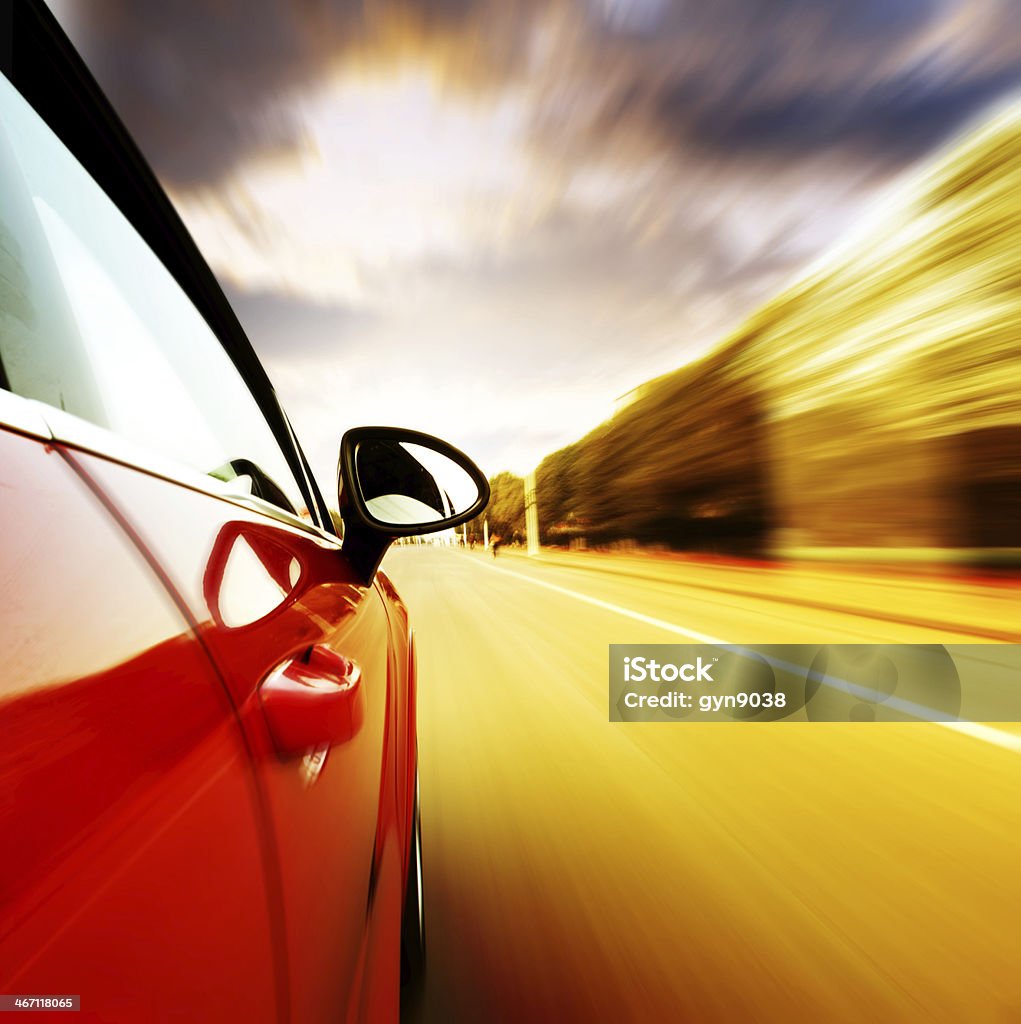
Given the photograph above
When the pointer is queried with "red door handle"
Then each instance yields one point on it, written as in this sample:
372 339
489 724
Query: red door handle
312 700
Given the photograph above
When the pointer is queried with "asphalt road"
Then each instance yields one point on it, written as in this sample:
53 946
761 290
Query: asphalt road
578 870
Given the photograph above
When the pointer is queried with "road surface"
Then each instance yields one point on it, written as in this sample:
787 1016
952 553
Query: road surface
578 870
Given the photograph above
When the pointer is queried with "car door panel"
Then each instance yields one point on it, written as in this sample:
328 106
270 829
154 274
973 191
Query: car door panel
133 867
262 592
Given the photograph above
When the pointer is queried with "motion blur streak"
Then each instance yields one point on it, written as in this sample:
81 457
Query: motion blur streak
872 405
582 871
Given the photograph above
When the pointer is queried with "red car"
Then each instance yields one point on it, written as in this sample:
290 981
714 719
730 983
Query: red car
208 770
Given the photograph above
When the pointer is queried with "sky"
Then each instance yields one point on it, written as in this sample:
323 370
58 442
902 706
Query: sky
489 219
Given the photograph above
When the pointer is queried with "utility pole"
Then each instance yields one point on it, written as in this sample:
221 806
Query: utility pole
485 534
531 515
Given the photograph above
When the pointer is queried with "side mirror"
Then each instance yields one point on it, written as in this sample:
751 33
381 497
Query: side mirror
399 483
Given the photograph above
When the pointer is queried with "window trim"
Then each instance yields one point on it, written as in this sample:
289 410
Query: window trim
45 69
54 426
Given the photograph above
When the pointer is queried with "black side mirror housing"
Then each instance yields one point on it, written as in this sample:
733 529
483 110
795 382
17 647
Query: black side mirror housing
401 483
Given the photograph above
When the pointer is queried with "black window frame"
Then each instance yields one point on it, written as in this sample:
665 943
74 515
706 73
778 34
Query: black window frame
39 60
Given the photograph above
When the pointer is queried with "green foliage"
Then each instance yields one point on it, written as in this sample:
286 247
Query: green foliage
506 509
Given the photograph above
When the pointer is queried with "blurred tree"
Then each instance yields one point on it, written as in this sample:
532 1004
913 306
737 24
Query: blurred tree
559 496
685 464
874 403
506 509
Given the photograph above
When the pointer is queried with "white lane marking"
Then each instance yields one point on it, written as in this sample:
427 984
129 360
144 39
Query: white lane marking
983 733
701 638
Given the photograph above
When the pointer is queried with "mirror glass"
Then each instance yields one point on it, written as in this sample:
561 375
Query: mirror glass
404 484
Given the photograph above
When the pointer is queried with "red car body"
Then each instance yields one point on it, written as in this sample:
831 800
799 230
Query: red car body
208 768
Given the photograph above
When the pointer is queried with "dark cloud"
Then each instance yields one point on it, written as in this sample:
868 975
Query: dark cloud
202 85
779 80
896 120
284 326
191 80
865 21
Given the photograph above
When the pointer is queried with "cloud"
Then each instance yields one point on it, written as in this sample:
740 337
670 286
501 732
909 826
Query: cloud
192 80
894 120
206 86
286 327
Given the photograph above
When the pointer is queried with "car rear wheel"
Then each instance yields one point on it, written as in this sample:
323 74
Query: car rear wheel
413 922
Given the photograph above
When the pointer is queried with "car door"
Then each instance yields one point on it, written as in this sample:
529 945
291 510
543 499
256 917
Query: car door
133 867
145 403
268 595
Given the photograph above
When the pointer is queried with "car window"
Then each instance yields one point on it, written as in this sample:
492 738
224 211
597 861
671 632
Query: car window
92 323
